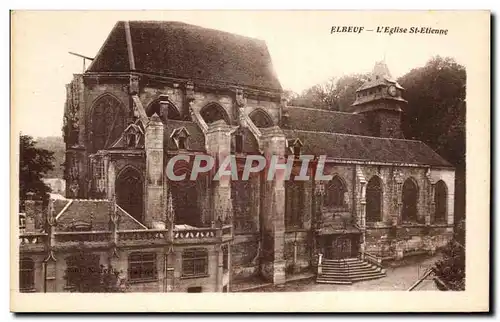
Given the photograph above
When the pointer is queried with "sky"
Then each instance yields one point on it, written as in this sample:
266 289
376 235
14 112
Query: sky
303 50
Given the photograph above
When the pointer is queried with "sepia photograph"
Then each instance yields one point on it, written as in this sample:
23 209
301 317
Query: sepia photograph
243 152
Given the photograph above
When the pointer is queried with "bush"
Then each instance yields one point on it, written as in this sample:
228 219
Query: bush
451 269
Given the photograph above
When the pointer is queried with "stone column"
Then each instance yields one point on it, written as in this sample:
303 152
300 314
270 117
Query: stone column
218 144
111 173
432 204
154 171
362 218
273 234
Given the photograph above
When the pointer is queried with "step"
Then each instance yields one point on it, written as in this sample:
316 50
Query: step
349 260
367 278
350 274
322 281
354 267
351 271
354 275
334 275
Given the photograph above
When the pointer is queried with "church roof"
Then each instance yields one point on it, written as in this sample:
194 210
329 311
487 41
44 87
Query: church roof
78 211
309 119
177 49
366 148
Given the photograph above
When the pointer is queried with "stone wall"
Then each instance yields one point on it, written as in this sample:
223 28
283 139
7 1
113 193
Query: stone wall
245 256
298 251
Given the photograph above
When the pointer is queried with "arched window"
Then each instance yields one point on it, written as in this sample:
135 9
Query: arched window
214 112
410 198
129 189
335 193
440 199
172 113
241 193
294 207
108 122
261 119
26 274
185 200
374 200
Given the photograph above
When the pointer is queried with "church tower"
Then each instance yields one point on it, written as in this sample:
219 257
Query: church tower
380 99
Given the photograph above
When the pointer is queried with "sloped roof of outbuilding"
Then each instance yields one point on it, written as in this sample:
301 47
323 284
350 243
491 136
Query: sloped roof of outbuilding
92 212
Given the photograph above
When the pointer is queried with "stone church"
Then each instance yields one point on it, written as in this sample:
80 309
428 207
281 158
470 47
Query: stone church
159 89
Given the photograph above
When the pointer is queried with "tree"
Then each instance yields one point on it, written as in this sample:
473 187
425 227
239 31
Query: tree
334 94
451 269
435 114
33 164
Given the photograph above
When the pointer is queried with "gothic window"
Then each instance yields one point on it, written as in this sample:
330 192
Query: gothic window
129 188
182 143
26 274
108 122
335 193
214 112
99 175
170 111
260 118
142 266
185 199
440 199
238 142
22 221
410 199
294 207
374 200
195 262
242 205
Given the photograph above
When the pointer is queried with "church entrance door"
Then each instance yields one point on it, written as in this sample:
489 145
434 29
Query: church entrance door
342 246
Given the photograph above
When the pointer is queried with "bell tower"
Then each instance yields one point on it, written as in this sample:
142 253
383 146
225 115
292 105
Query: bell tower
380 99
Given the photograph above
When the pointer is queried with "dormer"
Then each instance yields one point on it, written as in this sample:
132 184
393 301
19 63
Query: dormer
295 146
180 137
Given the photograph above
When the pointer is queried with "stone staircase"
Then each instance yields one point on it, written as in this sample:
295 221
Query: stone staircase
347 271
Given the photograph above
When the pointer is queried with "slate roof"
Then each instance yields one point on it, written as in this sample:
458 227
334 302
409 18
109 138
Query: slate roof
181 50
380 76
195 141
365 148
79 212
309 119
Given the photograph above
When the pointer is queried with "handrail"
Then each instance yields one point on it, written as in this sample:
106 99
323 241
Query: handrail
420 280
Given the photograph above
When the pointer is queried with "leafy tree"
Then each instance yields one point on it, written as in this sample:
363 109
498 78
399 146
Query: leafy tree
435 114
335 94
451 269
56 145
33 164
